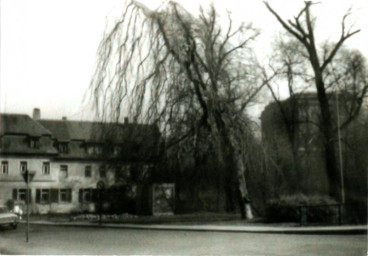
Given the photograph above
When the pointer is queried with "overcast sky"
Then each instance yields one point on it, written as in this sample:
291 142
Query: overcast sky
48 47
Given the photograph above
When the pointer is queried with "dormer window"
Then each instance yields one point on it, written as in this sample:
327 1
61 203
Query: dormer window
117 149
94 149
34 142
90 150
63 147
98 149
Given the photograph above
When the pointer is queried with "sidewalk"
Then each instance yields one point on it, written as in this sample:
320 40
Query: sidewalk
261 228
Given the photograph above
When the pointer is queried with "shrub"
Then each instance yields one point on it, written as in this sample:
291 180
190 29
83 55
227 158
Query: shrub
287 209
10 204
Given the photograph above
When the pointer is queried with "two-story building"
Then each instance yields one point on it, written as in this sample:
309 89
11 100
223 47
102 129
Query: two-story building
68 158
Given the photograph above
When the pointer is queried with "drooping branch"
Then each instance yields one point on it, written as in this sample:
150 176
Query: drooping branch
187 74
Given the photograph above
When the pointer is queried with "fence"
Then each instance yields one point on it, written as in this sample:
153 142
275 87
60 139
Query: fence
325 213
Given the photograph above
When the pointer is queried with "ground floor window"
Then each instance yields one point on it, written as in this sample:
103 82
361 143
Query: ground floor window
43 196
87 195
53 195
20 194
66 195
102 171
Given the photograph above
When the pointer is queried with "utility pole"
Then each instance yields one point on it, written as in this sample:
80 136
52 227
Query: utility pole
28 177
100 186
27 204
341 207
340 150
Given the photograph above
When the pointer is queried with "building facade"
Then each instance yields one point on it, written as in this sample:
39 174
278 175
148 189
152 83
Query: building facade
292 134
290 131
68 159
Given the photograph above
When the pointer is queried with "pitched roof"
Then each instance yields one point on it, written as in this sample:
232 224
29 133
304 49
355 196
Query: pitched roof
16 144
134 139
131 137
18 124
66 130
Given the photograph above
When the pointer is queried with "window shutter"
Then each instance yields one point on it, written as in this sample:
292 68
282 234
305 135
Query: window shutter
54 195
94 195
15 194
69 195
80 195
38 195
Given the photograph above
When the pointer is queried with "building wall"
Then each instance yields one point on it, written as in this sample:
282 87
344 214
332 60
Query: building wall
312 173
75 181
75 144
310 176
15 180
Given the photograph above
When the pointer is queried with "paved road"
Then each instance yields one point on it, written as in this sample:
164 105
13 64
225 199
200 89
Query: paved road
71 240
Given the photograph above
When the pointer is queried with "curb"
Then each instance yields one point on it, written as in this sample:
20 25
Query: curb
342 230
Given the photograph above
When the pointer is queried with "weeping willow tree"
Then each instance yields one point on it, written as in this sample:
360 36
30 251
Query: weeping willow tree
189 75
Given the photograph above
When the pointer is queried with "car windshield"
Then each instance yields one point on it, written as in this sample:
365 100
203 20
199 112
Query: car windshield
3 210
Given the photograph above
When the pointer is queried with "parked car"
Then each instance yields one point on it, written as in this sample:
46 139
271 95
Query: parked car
18 209
7 218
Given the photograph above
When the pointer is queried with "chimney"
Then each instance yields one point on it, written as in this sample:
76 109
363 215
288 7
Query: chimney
64 118
36 114
126 120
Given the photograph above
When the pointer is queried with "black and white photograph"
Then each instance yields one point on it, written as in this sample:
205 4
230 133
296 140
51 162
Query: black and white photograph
178 127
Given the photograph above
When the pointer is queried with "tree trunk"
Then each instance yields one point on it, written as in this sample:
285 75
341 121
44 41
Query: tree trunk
244 201
329 143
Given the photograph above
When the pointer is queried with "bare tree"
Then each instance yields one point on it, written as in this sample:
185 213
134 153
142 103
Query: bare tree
288 62
188 74
302 28
348 76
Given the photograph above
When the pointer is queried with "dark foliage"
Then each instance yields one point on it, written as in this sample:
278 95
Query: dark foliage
321 209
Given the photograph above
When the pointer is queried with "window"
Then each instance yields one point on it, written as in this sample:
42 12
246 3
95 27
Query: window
89 150
23 166
98 149
53 195
87 195
66 195
21 194
63 147
117 149
88 171
102 171
64 171
5 167
94 149
43 196
46 168
34 142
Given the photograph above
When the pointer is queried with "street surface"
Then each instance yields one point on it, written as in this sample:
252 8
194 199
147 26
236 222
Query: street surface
88 240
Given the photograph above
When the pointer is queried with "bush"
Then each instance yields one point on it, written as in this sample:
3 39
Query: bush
287 209
10 204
